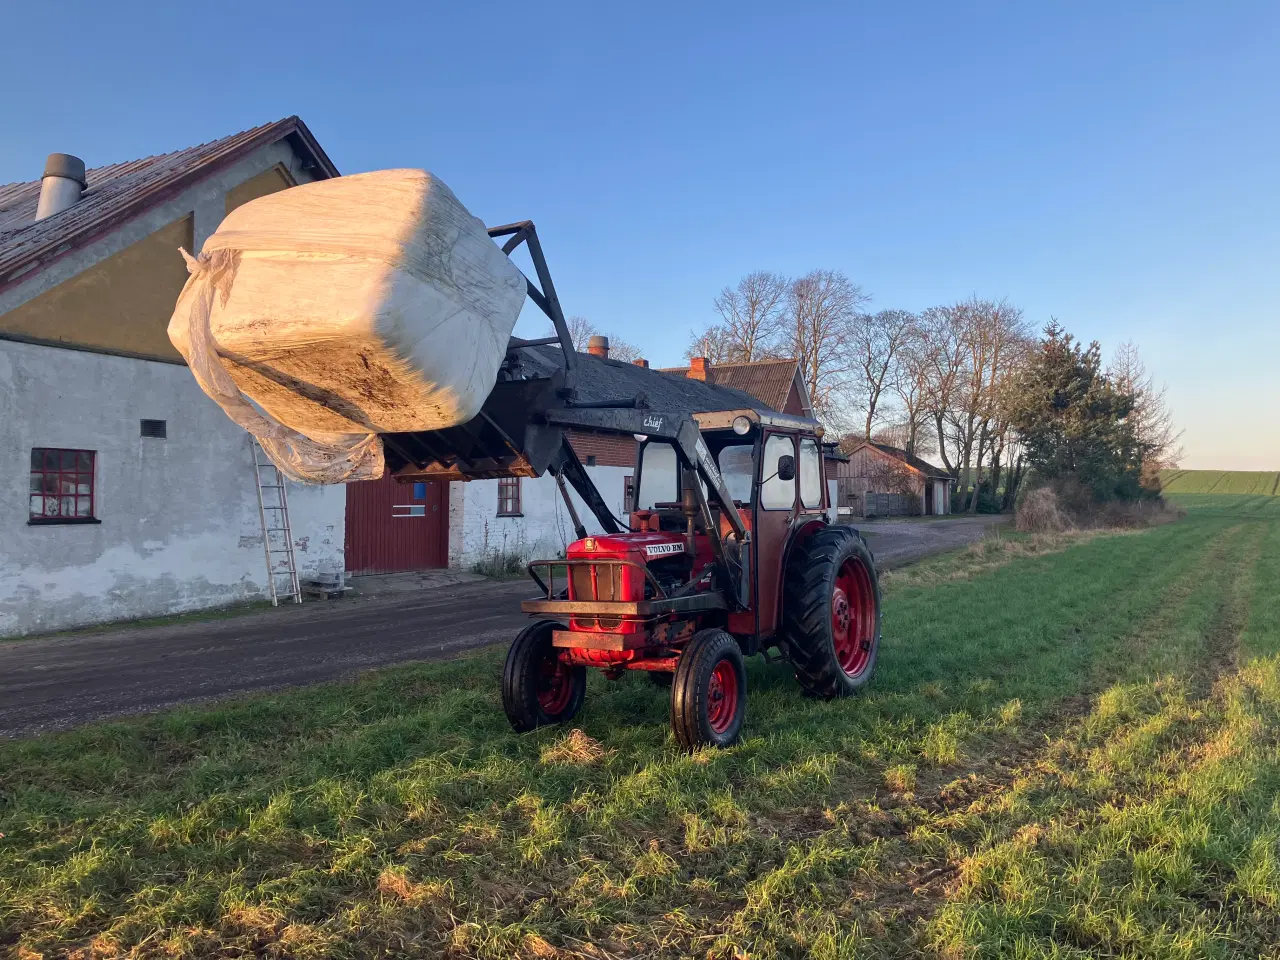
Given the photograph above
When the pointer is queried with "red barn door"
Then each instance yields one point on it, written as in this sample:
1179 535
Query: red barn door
394 527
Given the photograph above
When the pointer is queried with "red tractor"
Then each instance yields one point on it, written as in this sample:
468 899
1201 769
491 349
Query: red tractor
727 552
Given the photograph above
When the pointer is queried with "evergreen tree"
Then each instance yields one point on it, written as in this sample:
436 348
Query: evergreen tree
1074 422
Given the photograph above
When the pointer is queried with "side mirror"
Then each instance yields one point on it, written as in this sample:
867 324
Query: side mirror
786 468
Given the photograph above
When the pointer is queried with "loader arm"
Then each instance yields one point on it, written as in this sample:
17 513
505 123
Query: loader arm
683 431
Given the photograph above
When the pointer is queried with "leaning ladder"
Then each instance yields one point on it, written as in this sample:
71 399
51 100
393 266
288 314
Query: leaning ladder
277 536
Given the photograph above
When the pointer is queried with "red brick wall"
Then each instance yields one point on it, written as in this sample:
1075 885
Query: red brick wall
609 449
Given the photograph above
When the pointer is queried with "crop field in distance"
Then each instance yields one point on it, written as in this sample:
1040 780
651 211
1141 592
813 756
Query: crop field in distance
1251 482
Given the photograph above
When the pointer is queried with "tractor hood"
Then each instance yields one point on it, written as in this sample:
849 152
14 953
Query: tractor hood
631 546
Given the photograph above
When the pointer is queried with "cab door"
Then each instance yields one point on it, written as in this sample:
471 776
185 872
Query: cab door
775 510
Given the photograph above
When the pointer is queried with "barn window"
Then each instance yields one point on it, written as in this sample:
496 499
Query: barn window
591 460
62 485
509 497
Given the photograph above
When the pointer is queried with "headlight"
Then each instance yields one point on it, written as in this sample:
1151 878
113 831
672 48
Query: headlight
741 426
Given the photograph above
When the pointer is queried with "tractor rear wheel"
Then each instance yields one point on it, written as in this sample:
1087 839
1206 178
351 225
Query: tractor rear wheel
538 688
831 612
709 691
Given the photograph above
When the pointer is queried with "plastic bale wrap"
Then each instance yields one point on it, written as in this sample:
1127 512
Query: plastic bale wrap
325 314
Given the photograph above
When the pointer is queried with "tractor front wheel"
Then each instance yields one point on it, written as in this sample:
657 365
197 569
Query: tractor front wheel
831 612
538 688
709 691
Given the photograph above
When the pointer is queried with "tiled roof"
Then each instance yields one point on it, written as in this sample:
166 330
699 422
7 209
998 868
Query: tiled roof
769 381
924 466
121 191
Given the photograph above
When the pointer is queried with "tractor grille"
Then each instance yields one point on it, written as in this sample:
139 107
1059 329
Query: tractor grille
597 582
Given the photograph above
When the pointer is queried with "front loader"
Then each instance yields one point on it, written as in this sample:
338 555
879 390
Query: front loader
727 551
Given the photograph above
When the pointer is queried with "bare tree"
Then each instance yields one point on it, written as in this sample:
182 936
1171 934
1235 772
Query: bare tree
877 341
1152 423
712 343
821 309
994 335
972 347
751 315
911 387
943 360
581 330
620 349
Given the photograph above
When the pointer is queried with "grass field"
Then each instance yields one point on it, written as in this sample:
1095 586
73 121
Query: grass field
1071 749
1251 482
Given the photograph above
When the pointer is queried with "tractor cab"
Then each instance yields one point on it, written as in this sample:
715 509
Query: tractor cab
772 468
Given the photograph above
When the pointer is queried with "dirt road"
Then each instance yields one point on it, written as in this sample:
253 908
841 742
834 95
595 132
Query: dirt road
48 684
898 542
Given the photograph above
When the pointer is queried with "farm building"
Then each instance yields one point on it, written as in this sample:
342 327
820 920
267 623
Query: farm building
880 480
124 491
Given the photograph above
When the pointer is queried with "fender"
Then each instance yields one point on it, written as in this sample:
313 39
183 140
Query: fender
804 528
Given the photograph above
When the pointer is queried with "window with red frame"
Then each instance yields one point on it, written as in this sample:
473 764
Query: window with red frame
509 497
61 485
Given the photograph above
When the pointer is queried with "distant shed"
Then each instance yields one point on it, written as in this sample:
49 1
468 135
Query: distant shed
881 480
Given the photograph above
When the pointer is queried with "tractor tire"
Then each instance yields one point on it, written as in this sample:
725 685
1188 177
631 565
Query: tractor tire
709 692
831 613
538 689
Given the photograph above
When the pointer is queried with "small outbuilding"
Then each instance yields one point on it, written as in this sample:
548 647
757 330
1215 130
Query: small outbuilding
880 480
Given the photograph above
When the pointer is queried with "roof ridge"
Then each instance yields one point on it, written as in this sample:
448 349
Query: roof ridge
161 155
119 191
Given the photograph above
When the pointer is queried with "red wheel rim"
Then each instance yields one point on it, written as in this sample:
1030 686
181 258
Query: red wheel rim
853 617
555 685
722 697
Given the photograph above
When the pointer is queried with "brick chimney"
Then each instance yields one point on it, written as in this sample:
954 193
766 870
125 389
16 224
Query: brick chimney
598 346
699 369
642 362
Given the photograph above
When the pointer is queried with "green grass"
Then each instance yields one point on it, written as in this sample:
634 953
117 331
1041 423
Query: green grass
1246 482
1071 749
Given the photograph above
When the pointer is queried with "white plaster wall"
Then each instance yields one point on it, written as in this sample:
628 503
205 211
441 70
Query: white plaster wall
545 528
180 528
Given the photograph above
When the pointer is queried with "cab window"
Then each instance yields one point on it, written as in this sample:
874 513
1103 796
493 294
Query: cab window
657 476
810 470
737 467
776 493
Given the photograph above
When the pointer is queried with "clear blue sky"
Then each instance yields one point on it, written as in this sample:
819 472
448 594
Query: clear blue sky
1114 165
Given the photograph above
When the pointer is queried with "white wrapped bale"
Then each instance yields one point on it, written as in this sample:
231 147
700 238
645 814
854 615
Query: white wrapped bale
345 308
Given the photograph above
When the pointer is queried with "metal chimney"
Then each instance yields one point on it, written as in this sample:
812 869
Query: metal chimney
62 184
598 346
